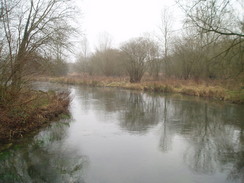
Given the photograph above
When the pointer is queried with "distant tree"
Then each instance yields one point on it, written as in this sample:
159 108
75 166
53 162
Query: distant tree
138 53
58 67
84 52
187 58
165 37
104 41
111 62
154 67
106 62
82 60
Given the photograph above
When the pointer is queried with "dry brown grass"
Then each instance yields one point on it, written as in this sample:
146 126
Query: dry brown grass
228 90
30 111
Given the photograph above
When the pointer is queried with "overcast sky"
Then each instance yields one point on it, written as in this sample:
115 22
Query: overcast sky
122 19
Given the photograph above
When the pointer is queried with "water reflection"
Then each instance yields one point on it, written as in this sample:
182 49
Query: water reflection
165 142
44 159
214 143
141 113
137 112
213 132
130 136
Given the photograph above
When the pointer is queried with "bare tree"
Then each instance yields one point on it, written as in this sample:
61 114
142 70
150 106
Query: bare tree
33 26
138 53
82 64
107 62
166 30
104 41
84 48
187 58
222 17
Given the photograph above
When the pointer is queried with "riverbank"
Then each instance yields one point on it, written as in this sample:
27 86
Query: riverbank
220 90
30 111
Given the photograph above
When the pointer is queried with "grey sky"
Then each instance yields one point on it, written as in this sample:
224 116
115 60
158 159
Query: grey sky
123 19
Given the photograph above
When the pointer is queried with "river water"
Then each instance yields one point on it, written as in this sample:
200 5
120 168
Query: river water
120 136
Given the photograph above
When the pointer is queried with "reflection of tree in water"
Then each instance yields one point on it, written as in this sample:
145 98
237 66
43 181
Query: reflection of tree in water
105 99
137 112
214 134
237 171
165 142
44 160
215 142
141 113
204 154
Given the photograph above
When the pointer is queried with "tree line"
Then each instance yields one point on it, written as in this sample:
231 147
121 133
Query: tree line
210 46
35 35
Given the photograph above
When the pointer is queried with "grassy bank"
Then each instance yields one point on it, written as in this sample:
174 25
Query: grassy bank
220 90
30 111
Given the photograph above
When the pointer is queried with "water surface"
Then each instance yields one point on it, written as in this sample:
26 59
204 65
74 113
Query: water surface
119 136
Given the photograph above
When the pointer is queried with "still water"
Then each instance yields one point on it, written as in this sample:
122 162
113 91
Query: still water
118 136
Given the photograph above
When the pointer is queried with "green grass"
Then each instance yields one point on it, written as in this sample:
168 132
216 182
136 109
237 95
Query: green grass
237 96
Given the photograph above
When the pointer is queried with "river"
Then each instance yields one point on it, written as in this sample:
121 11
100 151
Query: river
121 136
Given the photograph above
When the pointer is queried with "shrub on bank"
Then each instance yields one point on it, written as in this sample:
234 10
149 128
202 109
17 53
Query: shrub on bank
30 111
